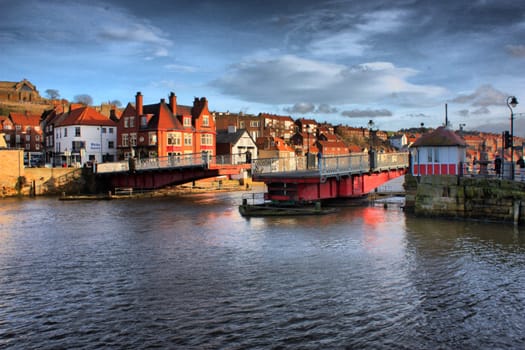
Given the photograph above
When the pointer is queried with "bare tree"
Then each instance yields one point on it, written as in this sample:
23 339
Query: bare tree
52 94
116 103
84 99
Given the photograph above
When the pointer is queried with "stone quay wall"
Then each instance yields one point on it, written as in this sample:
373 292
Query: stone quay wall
487 199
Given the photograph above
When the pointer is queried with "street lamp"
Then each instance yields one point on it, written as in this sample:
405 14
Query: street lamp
512 102
307 146
370 126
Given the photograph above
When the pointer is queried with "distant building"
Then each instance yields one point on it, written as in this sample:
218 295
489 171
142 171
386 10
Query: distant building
22 91
399 141
279 126
440 152
23 131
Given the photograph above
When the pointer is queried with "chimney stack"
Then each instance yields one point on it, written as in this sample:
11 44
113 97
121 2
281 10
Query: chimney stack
173 103
138 104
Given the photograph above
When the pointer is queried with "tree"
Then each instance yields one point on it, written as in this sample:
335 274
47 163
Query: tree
84 99
52 94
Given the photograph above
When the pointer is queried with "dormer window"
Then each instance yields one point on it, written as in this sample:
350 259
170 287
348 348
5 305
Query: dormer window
187 121
205 120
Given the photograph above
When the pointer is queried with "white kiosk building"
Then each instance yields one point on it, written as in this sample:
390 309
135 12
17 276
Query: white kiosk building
441 152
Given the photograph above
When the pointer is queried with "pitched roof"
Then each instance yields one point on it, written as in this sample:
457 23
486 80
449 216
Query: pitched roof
25 119
84 116
441 137
231 138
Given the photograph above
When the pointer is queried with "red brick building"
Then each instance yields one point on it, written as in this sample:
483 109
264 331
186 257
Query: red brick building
165 129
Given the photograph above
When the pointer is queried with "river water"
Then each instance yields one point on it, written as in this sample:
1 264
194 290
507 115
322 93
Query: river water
191 273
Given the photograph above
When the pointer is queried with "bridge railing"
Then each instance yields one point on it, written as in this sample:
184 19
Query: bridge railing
175 161
332 165
353 163
386 161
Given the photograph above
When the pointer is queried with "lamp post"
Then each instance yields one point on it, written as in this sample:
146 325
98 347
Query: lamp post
308 146
370 126
512 102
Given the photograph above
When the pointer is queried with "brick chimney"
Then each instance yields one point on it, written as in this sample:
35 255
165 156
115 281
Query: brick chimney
138 104
173 103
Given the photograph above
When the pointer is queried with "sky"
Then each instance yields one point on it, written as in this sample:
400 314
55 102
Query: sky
397 63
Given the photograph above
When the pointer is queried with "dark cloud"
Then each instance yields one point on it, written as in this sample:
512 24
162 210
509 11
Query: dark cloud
356 113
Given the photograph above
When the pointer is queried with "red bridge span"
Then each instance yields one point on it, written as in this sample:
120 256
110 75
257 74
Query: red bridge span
310 179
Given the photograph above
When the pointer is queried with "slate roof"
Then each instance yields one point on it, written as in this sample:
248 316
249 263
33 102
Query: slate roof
441 137
231 138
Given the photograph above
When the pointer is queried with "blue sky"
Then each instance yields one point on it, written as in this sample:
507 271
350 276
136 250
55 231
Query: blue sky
345 62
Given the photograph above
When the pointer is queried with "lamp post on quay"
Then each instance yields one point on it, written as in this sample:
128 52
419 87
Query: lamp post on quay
512 102
308 146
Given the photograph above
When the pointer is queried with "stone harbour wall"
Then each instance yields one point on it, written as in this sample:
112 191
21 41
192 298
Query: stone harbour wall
466 197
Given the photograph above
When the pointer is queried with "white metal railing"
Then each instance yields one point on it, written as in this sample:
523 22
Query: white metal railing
177 161
332 165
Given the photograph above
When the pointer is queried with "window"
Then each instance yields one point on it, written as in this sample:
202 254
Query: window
133 139
131 122
436 155
111 144
125 140
152 138
37 146
77 145
104 130
206 140
143 122
187 121
126 122
28 138
429 155
241 125
65 132
254 123
111 130
18 127
77 131
28 146
28 128
205 120
37 138
187 139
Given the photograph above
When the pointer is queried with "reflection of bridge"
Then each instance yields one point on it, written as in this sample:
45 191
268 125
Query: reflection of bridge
155 173
302 179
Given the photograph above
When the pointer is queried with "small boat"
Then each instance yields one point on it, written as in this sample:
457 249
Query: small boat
272 209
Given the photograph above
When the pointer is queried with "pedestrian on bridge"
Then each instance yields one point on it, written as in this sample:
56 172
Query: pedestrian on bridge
521 164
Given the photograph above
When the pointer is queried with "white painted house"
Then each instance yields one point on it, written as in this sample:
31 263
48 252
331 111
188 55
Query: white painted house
84 135
399 141
441 152
236 144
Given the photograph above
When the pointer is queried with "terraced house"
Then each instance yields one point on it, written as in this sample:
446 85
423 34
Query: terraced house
165 129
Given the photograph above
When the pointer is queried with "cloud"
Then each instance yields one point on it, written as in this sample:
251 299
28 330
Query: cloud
464 112
357 113
484 96
481 111
304 108
286 79
90 27
516 50
301 108
180 68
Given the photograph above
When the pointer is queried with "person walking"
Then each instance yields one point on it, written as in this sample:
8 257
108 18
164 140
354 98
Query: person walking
497 165
521 164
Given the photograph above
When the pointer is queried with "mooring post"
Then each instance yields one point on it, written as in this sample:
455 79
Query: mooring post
517 205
